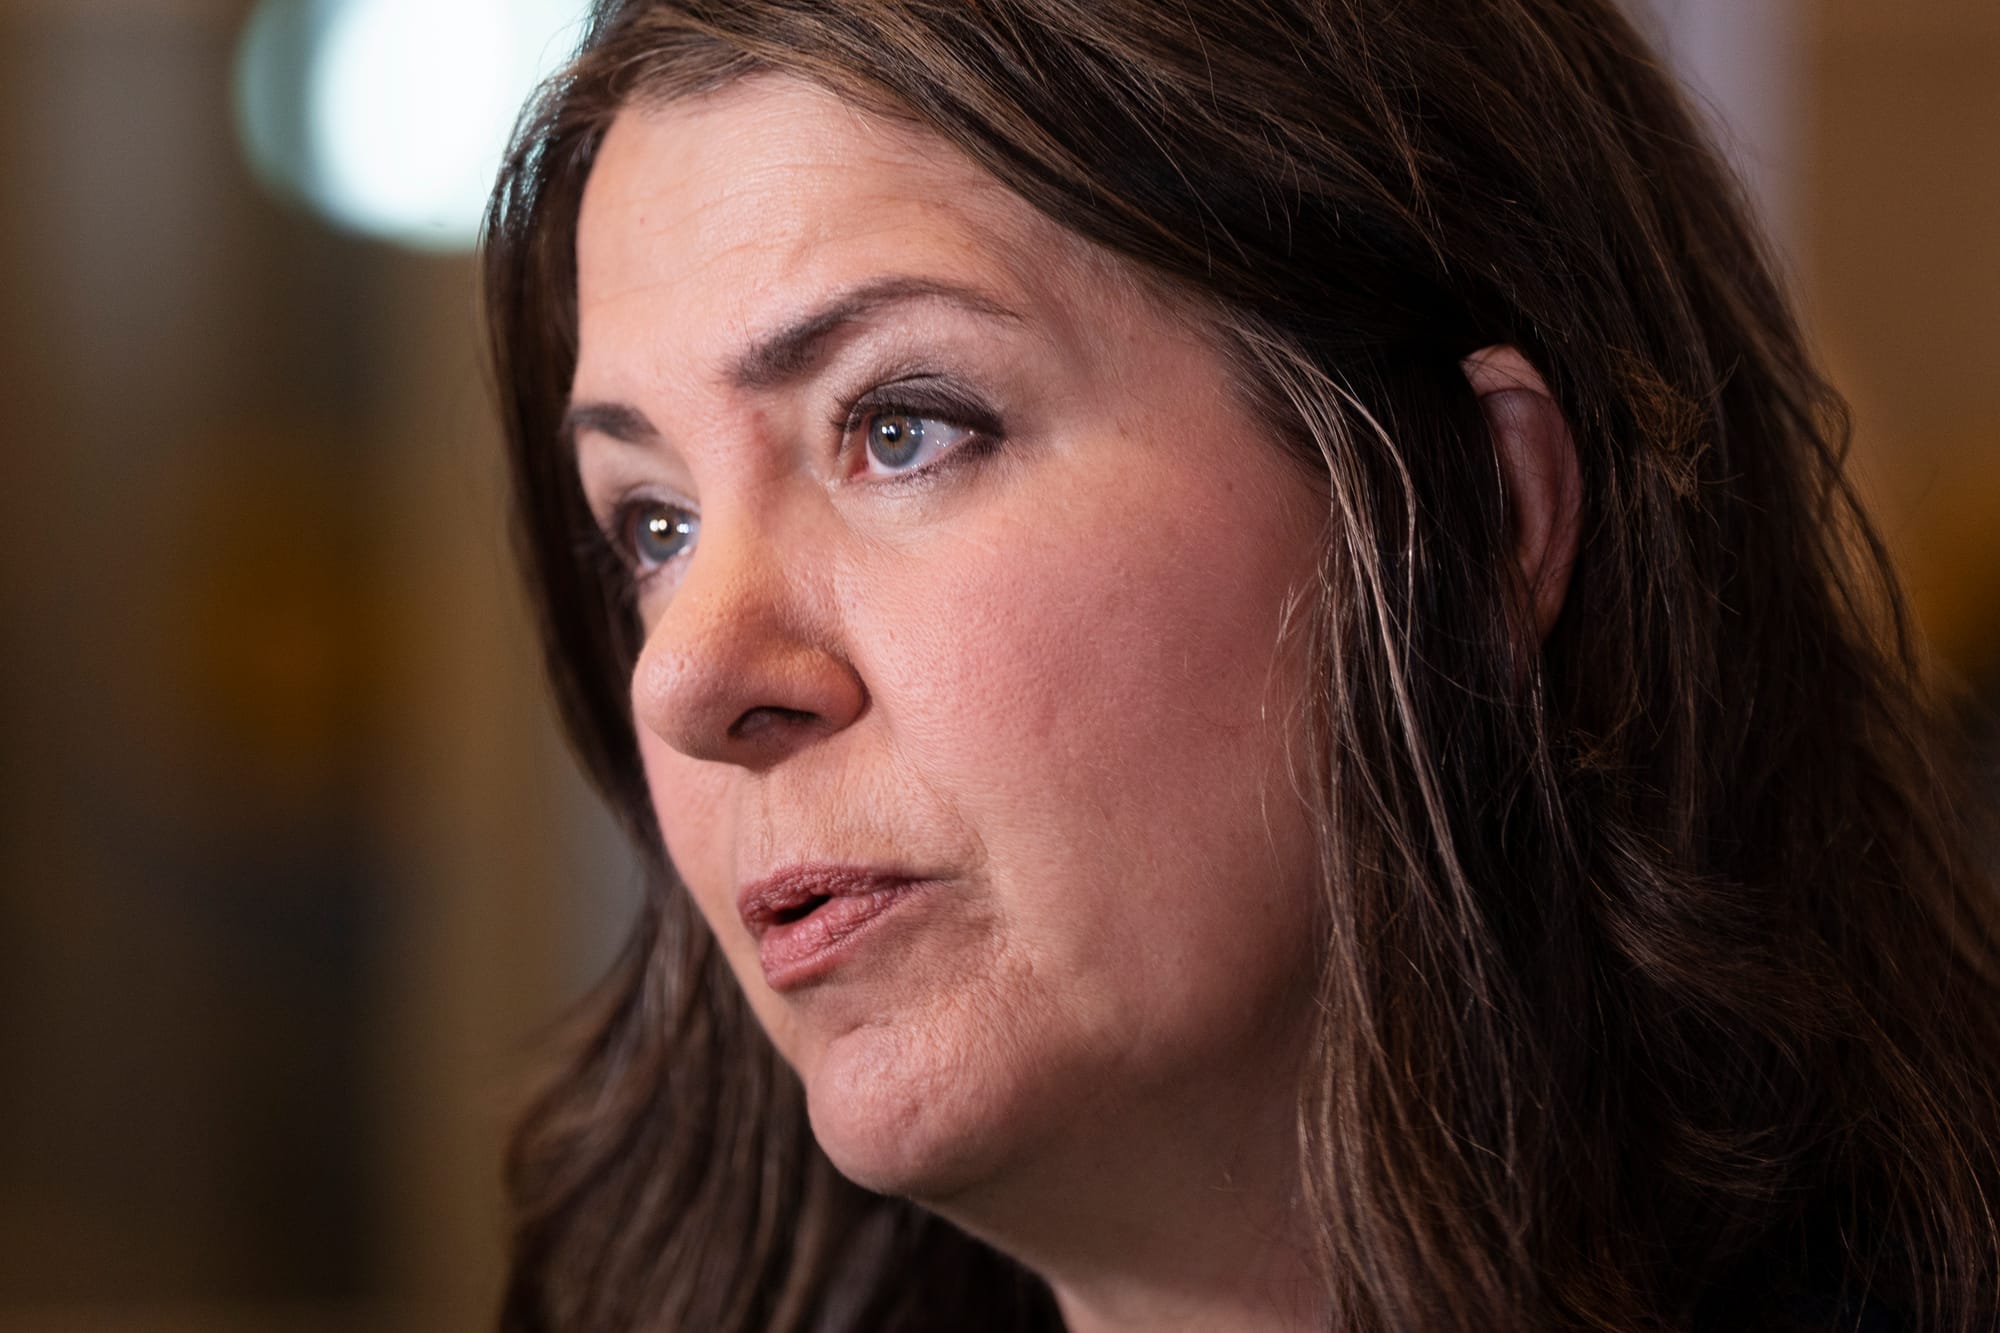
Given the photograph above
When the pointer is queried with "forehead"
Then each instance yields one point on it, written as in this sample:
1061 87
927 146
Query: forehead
736 209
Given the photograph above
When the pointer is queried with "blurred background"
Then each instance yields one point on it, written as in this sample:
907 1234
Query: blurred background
294 872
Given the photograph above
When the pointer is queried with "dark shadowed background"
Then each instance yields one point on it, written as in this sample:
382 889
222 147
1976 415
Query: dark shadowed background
293 868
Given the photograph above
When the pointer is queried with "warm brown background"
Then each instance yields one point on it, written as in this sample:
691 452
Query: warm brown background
291 866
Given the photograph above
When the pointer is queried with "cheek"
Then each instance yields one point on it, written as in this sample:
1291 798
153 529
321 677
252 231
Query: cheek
1142 609
690 801
1091 686
1138 621
695 805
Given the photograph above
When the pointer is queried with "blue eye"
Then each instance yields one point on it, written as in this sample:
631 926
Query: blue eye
653 533
905 442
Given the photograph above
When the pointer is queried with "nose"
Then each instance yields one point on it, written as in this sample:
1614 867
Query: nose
743 666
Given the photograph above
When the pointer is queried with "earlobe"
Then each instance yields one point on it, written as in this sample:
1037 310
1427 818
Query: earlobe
1538 469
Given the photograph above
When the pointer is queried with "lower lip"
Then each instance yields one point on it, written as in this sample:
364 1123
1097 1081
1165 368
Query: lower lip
796 953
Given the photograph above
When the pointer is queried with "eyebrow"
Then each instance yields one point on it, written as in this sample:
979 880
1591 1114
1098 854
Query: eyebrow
792 352
627 425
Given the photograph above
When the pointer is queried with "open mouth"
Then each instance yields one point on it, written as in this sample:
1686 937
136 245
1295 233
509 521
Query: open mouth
804 933
784 916
797 892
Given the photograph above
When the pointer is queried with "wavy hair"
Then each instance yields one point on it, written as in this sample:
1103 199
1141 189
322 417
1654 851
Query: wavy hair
1660 981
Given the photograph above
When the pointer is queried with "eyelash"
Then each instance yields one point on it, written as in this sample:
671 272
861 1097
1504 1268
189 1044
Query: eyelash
927 397
617 534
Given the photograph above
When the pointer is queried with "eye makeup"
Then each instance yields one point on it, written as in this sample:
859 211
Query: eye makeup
910 409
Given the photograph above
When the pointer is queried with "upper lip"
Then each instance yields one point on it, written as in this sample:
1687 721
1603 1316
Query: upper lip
785 893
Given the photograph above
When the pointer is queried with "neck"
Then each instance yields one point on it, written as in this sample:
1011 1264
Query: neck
1170 1221
1240 1278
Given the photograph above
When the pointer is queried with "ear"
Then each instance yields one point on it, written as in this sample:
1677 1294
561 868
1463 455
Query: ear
1539 472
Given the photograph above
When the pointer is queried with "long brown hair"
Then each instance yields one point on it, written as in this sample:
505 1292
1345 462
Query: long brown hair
1661 990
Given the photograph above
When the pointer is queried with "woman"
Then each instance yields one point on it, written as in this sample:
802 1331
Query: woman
1257 702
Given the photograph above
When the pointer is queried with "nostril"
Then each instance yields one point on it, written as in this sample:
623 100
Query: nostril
762 720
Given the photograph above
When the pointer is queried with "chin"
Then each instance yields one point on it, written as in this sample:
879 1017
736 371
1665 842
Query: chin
897 1117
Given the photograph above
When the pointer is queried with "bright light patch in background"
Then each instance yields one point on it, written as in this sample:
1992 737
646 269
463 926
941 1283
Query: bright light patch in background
389 116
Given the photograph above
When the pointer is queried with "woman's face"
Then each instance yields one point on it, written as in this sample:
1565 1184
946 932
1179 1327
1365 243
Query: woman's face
963 571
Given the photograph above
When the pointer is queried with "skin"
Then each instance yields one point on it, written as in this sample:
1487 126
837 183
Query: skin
1050 677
